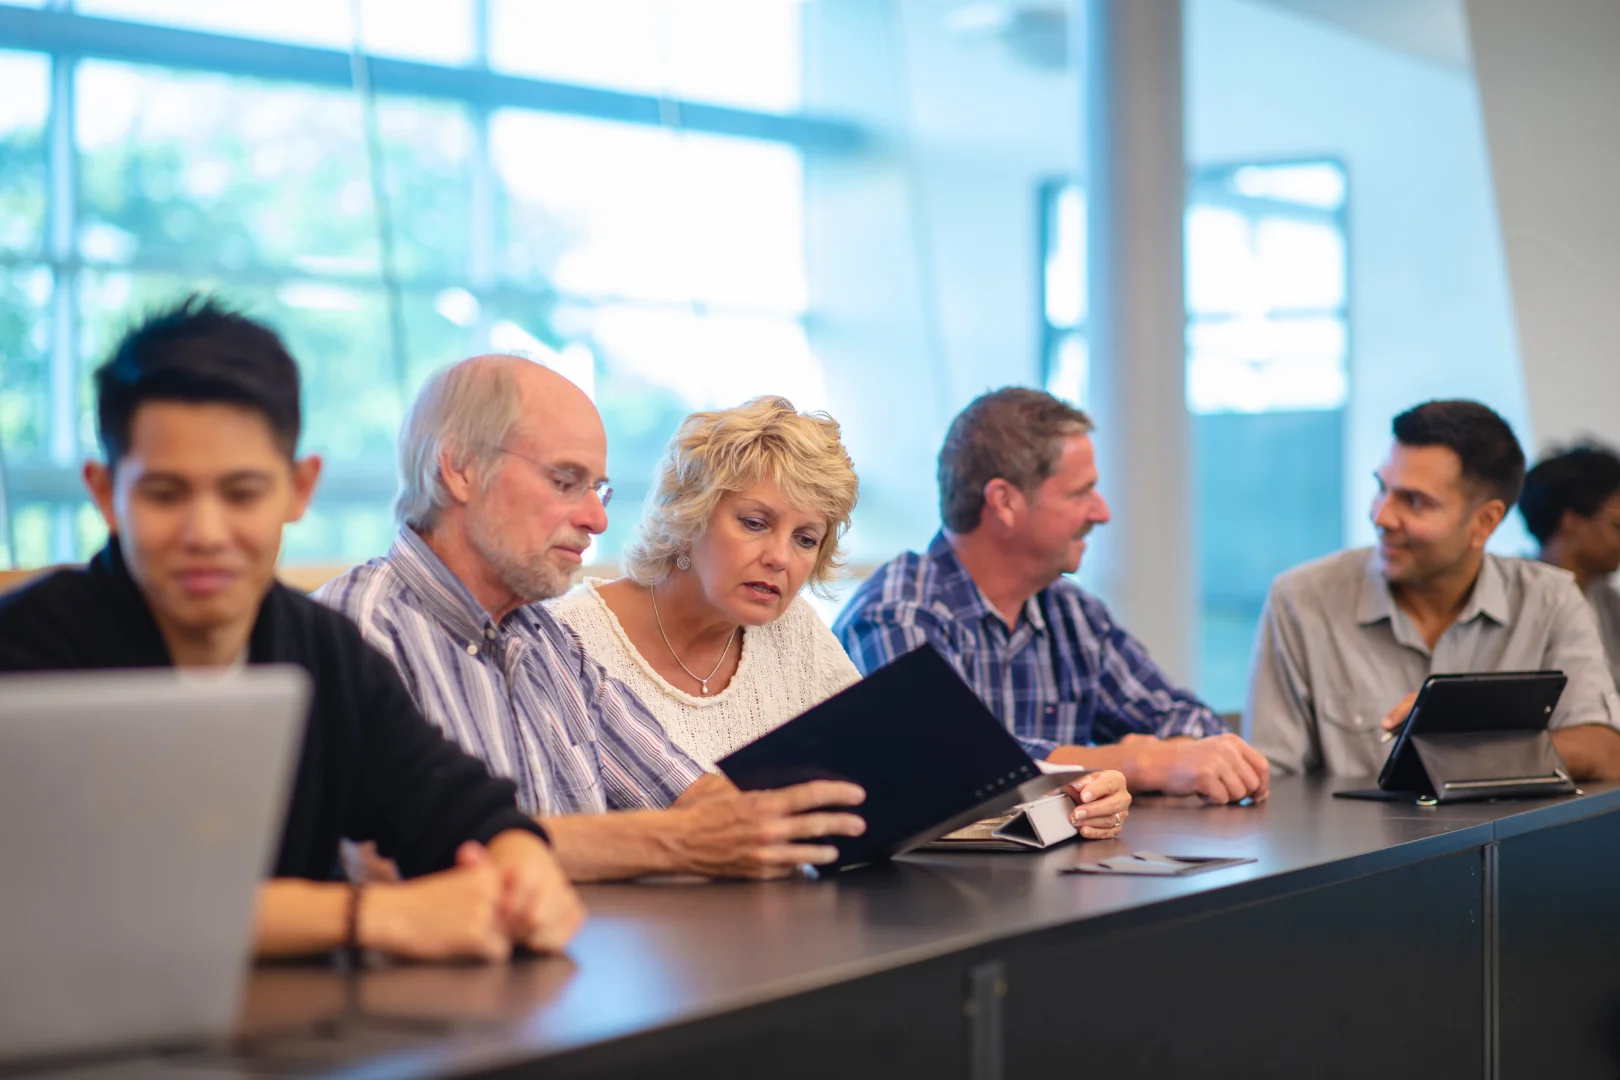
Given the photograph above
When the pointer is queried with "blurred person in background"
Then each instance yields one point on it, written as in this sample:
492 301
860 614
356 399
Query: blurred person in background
1571 505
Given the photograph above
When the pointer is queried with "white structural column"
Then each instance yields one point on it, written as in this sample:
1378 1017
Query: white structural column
1131 62
1549 78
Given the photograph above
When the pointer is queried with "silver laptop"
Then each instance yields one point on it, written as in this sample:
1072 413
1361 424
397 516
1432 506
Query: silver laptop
139 812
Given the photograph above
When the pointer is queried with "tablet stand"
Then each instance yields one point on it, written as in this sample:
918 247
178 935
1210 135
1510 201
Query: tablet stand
1492 765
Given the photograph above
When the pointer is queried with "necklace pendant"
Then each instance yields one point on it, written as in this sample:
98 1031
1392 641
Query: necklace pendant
705 683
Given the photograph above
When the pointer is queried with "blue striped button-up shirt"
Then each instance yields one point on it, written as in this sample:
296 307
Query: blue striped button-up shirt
523 696
1065 675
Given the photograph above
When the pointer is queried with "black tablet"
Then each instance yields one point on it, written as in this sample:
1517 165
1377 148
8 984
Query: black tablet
1497 701
931 757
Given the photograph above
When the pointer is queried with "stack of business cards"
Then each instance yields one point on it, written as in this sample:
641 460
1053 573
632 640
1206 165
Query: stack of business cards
1153 865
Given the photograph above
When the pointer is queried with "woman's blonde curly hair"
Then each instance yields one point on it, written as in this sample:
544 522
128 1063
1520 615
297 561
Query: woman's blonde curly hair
730 450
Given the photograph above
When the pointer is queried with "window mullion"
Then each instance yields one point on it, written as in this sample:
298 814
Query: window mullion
482 226
61 230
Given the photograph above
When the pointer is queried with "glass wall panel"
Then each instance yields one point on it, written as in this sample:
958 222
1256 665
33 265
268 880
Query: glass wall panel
214 173
435 30
1431 311
734 52
25 339
1268 355
23 109
627 211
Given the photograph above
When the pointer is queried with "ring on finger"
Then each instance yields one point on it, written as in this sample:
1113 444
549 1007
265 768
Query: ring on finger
1118 821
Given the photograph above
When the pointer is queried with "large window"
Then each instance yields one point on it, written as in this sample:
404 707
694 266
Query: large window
582 183
1267 379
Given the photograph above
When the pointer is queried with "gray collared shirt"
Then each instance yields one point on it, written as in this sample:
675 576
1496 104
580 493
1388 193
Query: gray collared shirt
1606 606
1334 653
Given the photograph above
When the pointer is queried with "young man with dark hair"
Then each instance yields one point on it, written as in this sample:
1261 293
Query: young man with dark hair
1018 496
198 417
1571 505
1346 641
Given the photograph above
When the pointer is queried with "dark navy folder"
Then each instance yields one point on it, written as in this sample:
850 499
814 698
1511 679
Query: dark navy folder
931 757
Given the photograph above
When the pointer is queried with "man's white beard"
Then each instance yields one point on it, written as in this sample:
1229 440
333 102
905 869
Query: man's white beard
531 579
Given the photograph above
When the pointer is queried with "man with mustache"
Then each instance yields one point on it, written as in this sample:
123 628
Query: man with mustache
1018 494
1346 641
502 466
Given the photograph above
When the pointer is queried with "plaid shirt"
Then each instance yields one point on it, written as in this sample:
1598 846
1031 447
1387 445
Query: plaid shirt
523 696
1065 675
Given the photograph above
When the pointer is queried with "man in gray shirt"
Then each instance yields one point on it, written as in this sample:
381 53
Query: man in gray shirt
1571 505
1346 641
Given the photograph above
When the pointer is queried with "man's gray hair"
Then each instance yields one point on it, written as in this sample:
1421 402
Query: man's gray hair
1016 434
467 411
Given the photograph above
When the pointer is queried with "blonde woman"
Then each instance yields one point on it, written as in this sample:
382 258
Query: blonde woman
708 626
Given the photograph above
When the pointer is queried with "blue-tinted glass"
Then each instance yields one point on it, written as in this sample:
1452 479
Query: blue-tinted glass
89 531
1065 261
1222 277
654 365
1267 379
1068 373
429 149
1303 262
440 31
1258 364
1270 495
734 52
23 107
354 386
31 527
25 296
1320 184
214 174
620 210
354 389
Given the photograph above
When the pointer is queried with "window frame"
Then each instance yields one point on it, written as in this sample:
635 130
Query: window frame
1207 185
66 37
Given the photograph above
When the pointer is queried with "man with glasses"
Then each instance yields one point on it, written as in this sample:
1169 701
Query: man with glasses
501 463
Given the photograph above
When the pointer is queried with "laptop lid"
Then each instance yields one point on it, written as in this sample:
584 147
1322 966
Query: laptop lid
929 754
139 812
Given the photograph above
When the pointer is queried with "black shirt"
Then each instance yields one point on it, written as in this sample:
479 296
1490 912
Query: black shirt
371 768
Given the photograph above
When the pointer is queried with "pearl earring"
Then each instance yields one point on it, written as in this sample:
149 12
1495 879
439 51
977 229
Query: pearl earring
682 562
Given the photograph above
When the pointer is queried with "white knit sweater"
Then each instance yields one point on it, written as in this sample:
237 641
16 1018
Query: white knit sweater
786 667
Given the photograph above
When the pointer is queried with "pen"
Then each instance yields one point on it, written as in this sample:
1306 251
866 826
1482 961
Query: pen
1410 701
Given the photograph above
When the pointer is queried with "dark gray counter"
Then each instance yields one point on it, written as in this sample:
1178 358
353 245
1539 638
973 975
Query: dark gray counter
1367 937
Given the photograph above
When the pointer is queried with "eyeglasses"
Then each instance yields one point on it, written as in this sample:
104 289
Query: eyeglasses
568 482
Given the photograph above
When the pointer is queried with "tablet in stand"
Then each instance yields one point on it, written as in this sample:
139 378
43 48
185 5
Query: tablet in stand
1476 737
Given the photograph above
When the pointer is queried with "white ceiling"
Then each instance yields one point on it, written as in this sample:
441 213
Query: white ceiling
1435 30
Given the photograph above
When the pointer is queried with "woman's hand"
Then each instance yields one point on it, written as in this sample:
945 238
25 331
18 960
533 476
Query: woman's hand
1101 804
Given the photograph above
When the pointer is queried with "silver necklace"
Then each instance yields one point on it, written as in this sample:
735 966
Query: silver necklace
723 652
